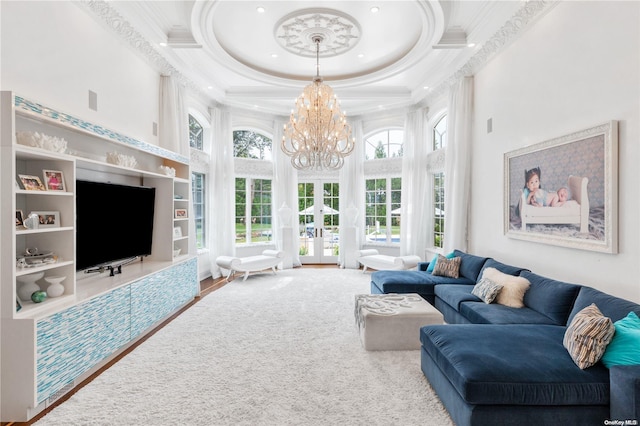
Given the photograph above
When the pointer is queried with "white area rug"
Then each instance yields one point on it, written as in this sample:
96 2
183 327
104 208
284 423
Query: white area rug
274 350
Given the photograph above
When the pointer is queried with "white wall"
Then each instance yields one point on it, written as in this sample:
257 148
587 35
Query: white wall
53 52
575 68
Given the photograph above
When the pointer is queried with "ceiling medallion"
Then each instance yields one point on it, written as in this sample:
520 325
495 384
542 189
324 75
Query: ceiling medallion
295 32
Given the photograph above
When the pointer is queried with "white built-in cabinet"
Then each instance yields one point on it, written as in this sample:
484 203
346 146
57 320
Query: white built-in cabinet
49 347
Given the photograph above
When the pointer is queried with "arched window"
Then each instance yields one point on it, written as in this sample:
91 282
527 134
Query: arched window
253 207
198 181
250 144
384 144
439 142
383 193
196 134
440 134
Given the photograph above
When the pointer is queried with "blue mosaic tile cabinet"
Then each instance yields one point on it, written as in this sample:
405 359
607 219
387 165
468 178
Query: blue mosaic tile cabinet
48 348
71 342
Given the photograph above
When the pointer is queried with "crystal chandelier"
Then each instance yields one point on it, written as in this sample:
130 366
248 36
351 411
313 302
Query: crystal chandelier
318 136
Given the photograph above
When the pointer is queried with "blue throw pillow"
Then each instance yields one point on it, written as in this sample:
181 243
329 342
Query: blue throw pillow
624 348
432 264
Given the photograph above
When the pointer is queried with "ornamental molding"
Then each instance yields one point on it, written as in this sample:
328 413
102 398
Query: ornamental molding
383 167
296 31
105 13
199 160
523 18
436 161
253 168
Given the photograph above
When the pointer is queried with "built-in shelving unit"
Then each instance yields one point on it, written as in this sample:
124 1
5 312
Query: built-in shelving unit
42 359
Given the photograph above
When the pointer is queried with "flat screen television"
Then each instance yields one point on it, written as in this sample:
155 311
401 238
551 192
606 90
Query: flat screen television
113 222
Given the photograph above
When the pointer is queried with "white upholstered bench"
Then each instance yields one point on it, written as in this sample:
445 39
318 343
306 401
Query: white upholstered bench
392 322
370 258
268 259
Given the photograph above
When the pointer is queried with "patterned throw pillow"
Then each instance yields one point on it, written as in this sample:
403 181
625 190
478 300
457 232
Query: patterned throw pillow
447 267
486 290
587 336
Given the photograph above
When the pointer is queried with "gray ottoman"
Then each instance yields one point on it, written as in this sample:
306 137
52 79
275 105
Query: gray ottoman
388 322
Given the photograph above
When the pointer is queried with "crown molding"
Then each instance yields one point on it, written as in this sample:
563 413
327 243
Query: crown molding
107 15
512 29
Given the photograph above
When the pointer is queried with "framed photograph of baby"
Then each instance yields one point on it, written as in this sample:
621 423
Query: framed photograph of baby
564 191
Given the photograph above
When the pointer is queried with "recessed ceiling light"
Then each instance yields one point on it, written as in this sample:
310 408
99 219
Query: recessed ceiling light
425 87
163 44
260 9
361 55
471 45
274 55
375 9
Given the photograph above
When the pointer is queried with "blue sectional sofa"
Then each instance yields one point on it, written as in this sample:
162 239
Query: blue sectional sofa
495 364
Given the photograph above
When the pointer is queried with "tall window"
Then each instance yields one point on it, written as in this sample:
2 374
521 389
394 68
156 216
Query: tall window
385 144
438 206
195 134
253 210
439 142
198 191
382 200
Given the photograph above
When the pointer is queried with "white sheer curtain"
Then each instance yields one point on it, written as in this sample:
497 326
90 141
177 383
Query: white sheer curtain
173 131
352 187
457 172
221 189
285 192
416 200
172 126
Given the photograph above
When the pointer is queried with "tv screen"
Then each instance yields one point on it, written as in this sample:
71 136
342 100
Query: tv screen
113 222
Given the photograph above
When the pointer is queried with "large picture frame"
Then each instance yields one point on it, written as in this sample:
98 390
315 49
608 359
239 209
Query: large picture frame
582 166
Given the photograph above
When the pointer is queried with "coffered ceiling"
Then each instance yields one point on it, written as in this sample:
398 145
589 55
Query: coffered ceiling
259 55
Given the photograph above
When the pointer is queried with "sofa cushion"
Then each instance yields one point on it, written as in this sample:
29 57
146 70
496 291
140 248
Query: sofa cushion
447 267
486 290
470 265
587 336
513 365
610 306
551 297
624 349
481 313
455 294
513 288
507 269
384 282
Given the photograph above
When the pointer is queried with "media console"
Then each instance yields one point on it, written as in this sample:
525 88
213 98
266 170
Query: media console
48 348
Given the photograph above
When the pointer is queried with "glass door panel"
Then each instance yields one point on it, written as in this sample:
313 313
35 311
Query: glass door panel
318 214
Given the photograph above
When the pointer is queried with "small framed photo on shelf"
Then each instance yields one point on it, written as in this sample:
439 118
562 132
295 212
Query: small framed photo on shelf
177 232
48 219
181 213
31 183
19 219
54 180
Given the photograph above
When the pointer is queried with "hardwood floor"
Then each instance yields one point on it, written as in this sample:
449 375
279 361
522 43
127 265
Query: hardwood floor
207 286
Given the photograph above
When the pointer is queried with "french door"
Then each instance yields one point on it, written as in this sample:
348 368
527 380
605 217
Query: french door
318 202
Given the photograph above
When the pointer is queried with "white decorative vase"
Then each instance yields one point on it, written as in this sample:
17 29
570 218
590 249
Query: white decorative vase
29 285
55 289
